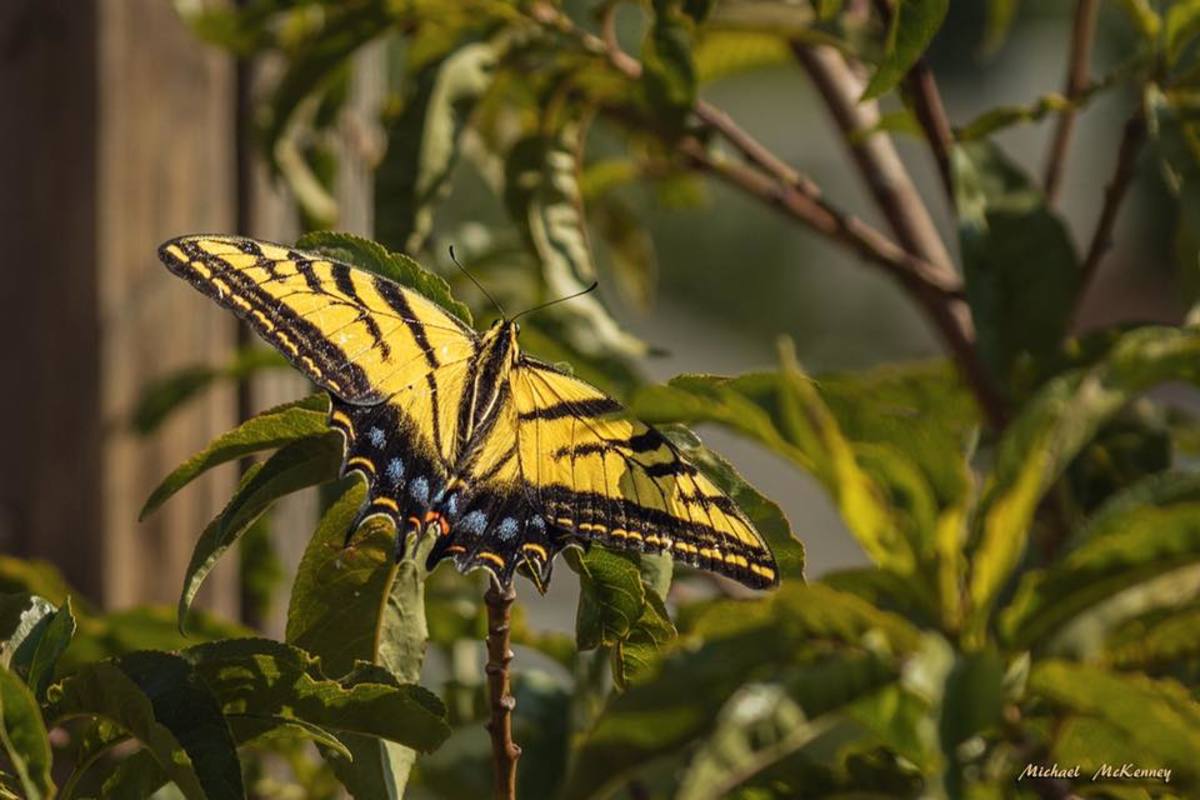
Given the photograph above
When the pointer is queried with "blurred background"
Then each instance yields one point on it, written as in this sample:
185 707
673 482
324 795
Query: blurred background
121 129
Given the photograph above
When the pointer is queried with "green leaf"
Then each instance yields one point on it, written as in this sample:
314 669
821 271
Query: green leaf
303 463
378 259
723 53
912 27
138 775
162 397
358 605
630 249
23 737
758 726
1153 717
1019 264
423 142
1181 29
1145 19
32 577
786 413
1001 117
1000 16
271 429
262 680
972 702
668 73
1143 543
611 597
1051 431
23 621
51 644
832 648
542 195
158 698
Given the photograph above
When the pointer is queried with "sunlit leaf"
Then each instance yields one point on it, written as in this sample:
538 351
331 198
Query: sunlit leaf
1000 16
271 429
378 259
51 644
302 463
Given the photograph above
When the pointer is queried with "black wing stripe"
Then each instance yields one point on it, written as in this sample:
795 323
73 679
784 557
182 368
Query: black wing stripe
583 409
395 298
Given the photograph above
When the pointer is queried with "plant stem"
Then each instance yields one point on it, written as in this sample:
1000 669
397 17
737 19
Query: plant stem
930 111
505 752
1082 33
1131 144
874 154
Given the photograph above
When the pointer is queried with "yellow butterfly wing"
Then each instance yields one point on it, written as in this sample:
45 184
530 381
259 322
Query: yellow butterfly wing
599 474
364 338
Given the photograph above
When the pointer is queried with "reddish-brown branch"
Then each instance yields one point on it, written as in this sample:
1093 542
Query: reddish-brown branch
875 156
1082 33
1133 136
505 751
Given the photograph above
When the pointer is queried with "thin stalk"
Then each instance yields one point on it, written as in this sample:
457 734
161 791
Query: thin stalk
505 752
1079 65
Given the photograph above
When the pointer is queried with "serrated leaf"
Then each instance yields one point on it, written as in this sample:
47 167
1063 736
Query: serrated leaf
303 463
423 142
1053 428
1019 264
259 679
23 620
357 605
23 737
158 698
611 597
398 267
912 27
271 429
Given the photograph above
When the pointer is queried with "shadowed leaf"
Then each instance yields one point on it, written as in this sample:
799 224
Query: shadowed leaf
912 27
23 737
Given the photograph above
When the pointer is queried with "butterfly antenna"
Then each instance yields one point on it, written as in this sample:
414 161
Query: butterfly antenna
589 289
486 293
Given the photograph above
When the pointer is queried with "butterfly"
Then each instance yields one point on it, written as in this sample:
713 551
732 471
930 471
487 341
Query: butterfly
503 457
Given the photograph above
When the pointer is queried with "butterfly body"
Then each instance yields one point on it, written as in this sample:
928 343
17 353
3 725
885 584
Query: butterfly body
502 457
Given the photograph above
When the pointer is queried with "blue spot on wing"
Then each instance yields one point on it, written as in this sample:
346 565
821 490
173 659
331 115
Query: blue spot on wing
419 489
395 471
473 523
377 436
507 529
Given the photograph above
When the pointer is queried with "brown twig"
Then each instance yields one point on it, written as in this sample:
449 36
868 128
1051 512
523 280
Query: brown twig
930 111
1082 33
505 751
1132 137
874 154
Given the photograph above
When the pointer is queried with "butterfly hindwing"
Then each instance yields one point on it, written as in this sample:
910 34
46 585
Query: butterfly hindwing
602 475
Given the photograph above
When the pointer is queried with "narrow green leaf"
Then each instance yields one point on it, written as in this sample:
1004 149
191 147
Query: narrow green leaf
723 53
264 680
271 429
1156 640
1152 716
1148 543
162 397
378 259
51 645
913 26
23 737
1051 431
1146 21
1000 16
1019 263
668 73
542 195
423 142
158 698
303 463
972 702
